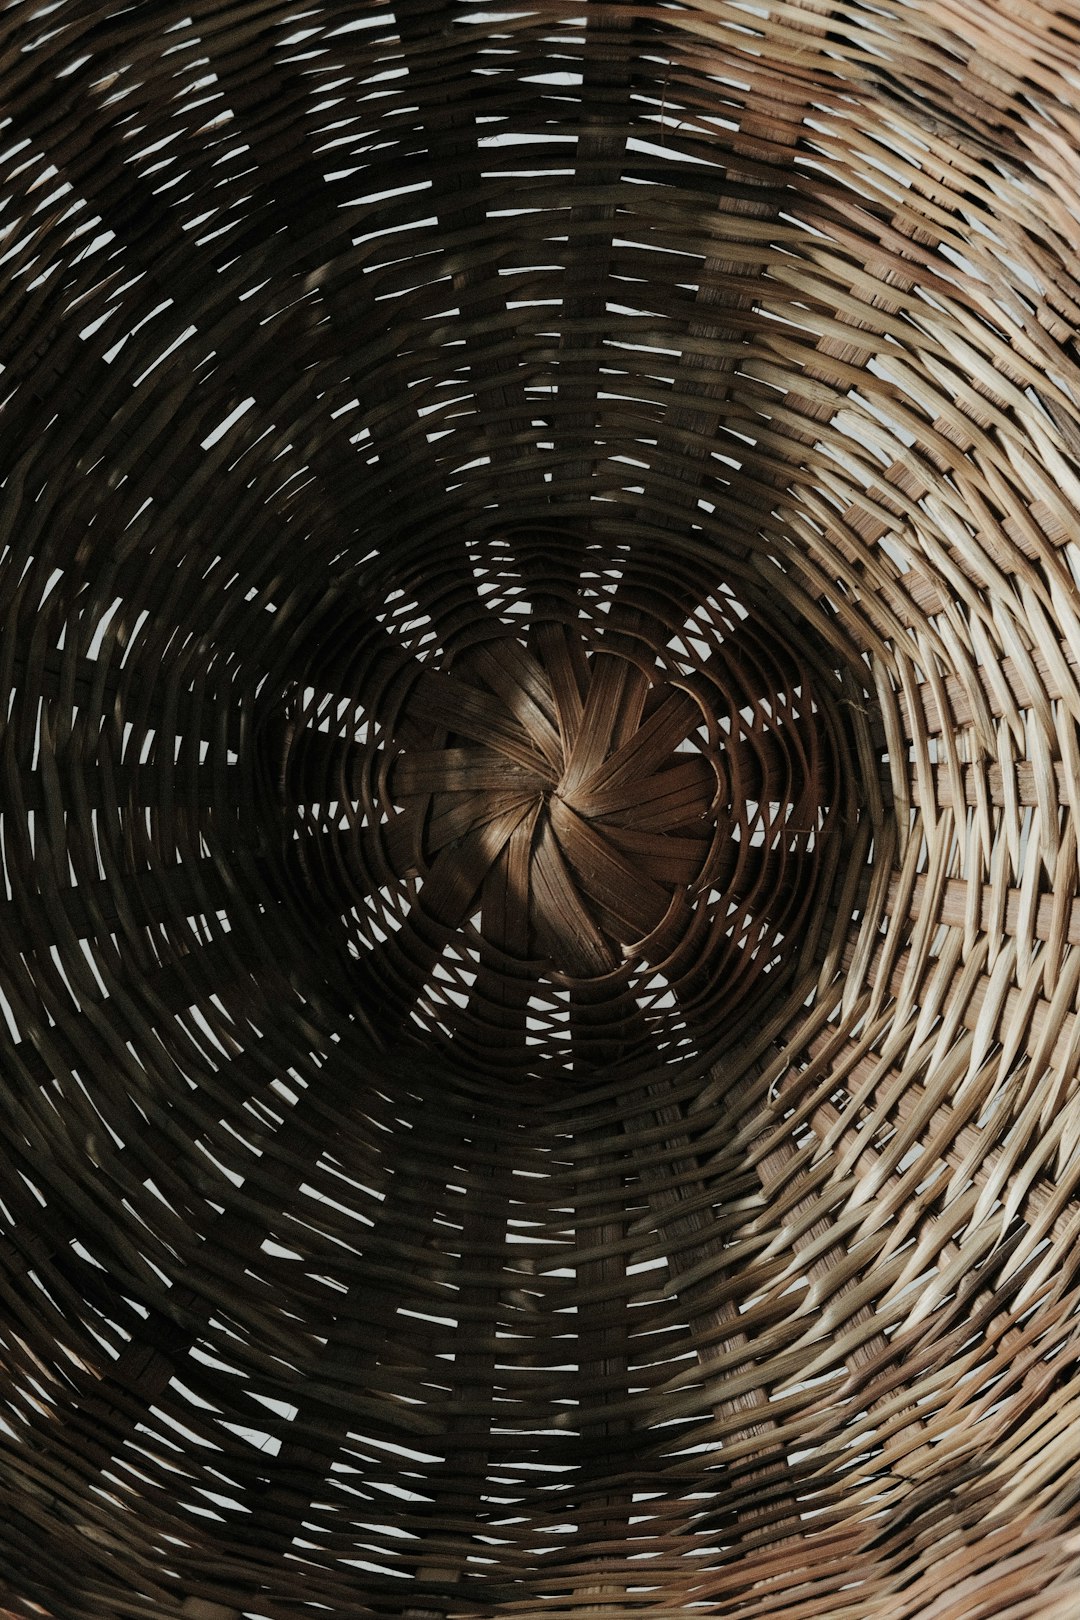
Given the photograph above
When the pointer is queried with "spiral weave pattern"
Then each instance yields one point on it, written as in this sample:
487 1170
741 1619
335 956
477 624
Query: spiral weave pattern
539 750
575 848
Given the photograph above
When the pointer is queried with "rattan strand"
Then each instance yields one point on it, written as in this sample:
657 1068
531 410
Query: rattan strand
540 928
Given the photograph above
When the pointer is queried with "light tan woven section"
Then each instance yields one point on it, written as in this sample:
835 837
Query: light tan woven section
540 932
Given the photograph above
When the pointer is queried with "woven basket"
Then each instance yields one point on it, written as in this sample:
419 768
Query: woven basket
541 927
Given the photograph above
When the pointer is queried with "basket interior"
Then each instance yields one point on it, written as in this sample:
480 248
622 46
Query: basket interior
540 915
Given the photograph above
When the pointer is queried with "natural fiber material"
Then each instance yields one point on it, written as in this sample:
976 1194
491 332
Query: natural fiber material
568 842
540 932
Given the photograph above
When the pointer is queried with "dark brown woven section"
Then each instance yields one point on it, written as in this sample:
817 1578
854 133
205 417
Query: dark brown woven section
540 927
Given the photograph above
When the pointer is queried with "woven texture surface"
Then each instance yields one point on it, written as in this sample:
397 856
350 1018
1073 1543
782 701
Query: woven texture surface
540 930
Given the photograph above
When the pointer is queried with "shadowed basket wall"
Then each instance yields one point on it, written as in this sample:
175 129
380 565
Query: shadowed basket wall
540 919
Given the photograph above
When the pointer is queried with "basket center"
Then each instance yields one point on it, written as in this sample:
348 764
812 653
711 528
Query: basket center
559 845
565 789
